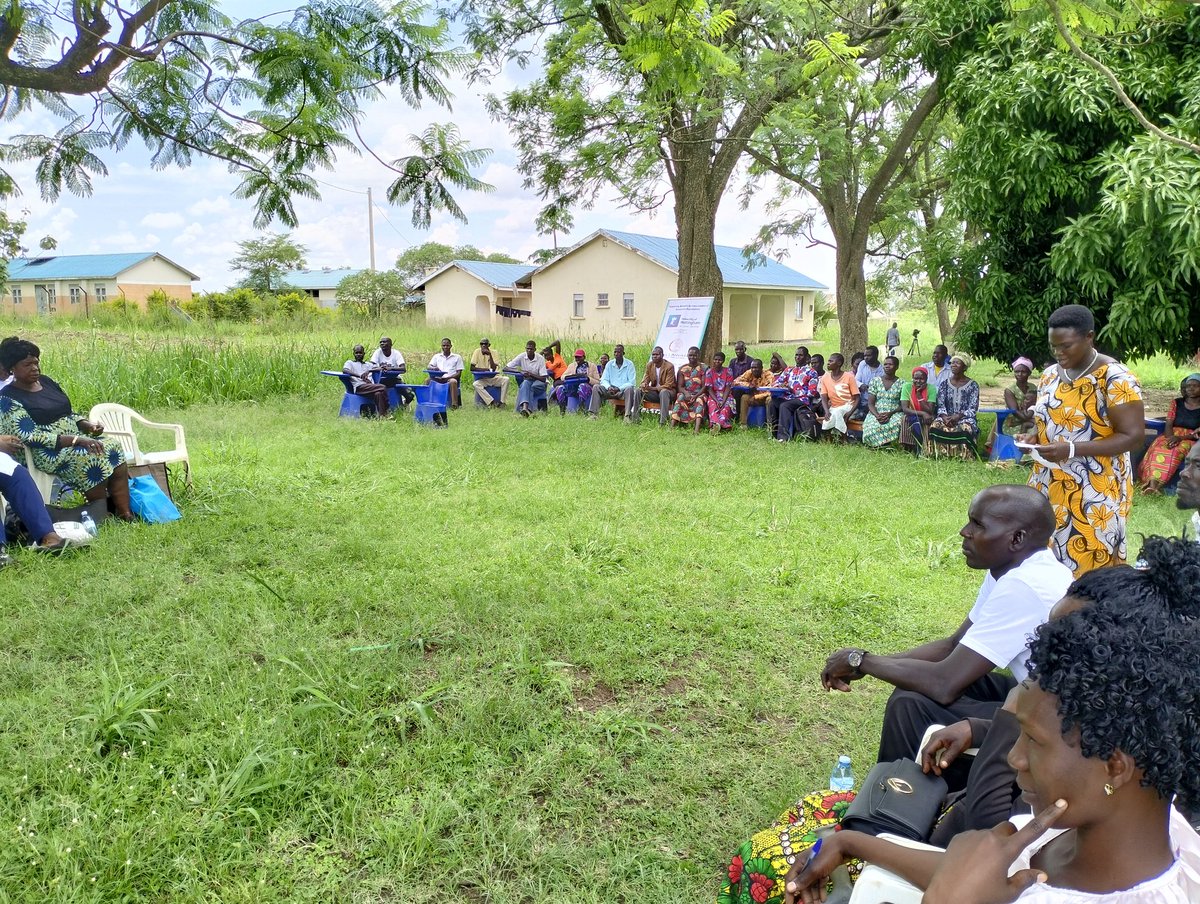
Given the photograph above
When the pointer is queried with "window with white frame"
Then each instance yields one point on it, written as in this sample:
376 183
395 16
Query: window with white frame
51 297
602 299
627 299
16 294
101 293
76 294
577 306
800 308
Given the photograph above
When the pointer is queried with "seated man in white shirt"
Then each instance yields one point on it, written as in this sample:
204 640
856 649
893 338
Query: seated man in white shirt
447 367
360 372
533 375
1007 531
388 358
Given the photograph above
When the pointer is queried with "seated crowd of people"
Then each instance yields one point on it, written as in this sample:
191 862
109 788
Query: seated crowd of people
937 404
1079 791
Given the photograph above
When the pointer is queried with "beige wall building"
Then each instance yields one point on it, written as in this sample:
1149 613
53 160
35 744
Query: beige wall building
614 286
69 284
479 293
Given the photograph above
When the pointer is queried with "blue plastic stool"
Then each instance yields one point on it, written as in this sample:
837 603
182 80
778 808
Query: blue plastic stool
757 416
353 405
1004 447
493 391
432 402
572 404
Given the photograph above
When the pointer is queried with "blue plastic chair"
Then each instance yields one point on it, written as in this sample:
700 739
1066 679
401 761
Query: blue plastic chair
433 400
757 416
353 405
1004 447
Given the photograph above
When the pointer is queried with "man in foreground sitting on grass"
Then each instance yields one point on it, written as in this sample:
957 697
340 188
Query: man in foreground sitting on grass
1007 534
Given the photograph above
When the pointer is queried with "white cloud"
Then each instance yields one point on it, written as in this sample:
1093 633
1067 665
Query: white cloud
209 206
169 220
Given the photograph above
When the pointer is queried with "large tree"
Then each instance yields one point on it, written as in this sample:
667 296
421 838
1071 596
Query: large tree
1069 197
266 262
413 263
855 146
649 99
275 97
372 294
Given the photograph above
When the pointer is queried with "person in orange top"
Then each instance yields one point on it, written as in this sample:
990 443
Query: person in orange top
754 378
839 394
555 363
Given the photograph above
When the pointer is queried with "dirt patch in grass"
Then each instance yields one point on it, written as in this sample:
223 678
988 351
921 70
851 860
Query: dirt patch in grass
597 696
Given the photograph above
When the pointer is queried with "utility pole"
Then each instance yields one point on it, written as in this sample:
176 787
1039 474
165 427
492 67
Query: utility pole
371 226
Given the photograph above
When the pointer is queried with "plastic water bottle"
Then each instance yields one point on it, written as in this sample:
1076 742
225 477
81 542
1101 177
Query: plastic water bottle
88 524
842 778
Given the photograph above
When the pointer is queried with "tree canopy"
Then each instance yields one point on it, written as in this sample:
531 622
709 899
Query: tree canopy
413 263
275 97
265 262
372 293
1069 198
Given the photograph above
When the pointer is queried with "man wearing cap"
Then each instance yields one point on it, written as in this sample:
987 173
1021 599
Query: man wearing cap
484 361
577 389
658 385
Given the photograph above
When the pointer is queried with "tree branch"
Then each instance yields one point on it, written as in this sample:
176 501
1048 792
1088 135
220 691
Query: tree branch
1109 76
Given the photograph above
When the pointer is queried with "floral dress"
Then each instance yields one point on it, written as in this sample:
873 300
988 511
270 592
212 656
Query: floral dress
689 404
878 434
74 466
1162 463
1091 495
719 397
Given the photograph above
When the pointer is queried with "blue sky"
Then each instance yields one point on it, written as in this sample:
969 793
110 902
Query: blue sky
191 216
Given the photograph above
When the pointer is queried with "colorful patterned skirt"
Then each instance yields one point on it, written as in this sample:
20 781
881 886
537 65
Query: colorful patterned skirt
756 873
720 414
1161 463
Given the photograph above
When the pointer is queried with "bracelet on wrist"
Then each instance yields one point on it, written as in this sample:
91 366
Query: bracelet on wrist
1071 450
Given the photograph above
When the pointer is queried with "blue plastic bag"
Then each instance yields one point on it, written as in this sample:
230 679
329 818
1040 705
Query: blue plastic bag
149 502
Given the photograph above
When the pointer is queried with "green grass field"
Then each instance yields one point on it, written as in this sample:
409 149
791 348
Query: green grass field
510 661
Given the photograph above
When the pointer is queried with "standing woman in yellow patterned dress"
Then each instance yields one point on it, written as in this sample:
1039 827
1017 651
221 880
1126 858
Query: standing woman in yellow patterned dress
1089 416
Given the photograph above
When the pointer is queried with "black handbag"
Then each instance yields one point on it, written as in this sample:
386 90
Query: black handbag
898 798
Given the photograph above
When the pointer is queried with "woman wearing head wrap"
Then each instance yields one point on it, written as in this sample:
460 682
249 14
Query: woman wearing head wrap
1020 396
34 408
1167 453
954 427
918 401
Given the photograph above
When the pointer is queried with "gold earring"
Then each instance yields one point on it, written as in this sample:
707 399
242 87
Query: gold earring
1109 790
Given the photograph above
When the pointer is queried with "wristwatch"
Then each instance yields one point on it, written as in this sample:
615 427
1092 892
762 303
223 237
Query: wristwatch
855 660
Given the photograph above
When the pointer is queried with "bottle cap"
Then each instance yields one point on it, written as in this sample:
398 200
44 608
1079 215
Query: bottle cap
844 760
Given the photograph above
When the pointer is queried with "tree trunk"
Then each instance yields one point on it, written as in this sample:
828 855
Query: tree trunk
696 223
851 290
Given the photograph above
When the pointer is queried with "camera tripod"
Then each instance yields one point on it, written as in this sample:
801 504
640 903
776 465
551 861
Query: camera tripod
914 347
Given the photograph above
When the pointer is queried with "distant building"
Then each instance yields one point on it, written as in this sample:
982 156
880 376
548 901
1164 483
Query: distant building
71 283
615 285
319 284
478 292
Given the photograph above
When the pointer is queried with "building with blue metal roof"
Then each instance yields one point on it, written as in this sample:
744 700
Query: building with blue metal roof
614 285
53 284
319 284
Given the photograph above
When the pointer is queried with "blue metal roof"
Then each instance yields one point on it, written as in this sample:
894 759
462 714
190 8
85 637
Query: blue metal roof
735 268
80 266
317 279
500 276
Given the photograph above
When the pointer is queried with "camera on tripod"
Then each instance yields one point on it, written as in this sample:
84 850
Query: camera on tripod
916 333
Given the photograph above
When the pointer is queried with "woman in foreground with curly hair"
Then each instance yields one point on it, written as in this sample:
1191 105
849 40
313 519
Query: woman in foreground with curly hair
1108 739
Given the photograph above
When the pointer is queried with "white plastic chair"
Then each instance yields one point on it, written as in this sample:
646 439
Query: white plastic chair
119 421
43 481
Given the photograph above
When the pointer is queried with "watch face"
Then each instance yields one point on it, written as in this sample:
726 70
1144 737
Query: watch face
855 659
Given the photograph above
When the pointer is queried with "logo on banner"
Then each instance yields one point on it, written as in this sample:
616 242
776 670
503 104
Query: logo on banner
673 321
